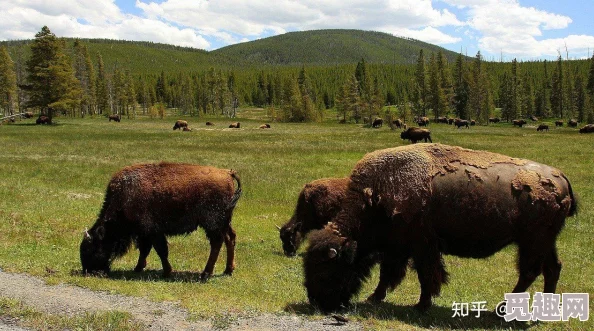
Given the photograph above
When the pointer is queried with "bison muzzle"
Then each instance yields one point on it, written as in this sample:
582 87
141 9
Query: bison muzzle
145 203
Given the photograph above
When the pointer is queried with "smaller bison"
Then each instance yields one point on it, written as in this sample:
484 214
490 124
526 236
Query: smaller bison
145 203
42 119
180 124
559 123
423 121
518 123
587 129
397 123
572 123
209 124
319 201
472 122
494 120
265 126
542 127
377 123
458 123
416 134
115 117
235 125
185 128
28 114
442 119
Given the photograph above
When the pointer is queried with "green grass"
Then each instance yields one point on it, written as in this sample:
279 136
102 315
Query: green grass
52 181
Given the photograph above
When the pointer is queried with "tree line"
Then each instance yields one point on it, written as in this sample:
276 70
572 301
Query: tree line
58 79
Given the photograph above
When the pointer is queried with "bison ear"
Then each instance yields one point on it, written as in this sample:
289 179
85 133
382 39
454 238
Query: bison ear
100 232
332 253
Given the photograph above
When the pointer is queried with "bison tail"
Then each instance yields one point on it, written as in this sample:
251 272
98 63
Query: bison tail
237 193
573 207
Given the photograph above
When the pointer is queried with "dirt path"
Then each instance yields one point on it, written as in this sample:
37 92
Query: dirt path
73 300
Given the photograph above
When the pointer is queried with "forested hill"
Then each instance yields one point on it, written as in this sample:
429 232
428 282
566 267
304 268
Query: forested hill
328 47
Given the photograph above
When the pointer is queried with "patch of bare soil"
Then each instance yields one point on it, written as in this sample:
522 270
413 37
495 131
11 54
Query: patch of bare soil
72 300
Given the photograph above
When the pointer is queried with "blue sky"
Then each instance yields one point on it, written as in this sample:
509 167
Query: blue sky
522 29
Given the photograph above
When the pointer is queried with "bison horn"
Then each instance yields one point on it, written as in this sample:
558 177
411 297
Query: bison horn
87 235
278 227
332 253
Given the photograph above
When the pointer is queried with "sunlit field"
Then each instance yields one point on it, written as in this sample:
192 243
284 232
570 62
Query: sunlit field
53 178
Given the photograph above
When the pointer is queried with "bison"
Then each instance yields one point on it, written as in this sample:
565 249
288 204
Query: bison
114 117
185 128
416 134
518 123
42 119
472 122
494 120
319 201
180 124
458 123
587 129
265 126
209 124
145 203
422 201
377 123
572 123
28 114
398 123
442 119
558 123
235 125
542 127
423 121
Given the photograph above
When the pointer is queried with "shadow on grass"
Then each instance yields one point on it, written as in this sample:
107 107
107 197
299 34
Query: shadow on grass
435 317
151 275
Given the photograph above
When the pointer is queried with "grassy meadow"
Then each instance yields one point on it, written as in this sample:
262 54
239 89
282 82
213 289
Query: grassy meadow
53 178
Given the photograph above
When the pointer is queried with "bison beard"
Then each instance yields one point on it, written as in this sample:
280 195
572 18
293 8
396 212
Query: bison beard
421 201
318 203
147 202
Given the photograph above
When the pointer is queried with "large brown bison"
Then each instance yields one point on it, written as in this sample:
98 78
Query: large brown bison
494 120
458 123
318 203
209 123
398 123
115 117
416 134
423 121
28 114
377 123
587 129
42 119
559 123
518 123
264 126
180 124
145 203
235 125
572 123
542 127
422 201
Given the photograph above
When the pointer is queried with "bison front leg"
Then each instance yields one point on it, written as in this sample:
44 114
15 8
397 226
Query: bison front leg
216 242
392 271
431 273
160 244
230 245
144 246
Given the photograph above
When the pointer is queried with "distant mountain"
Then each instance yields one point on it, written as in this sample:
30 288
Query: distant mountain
327 47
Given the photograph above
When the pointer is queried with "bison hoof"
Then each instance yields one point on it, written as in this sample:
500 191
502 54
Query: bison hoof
204 276
423 306
376 298
228 272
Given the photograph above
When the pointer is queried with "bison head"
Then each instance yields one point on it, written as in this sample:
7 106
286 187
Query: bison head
331 276
94 255
404 135
290 235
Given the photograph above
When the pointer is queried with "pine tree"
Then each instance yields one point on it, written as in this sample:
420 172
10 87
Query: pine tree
103 95
556 97
579 99
53 85
8 83
461 88
85 73
420 86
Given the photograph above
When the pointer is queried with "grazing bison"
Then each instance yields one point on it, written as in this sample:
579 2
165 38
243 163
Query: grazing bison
558 123
265 126
572 123
180 124
235 125
397 123
42 119
185 128
542 127
458 123
442 120
319 201
451 120
145 203
494 120
518 123
400 204
587 129
28 114
377 123
472 122
423 121
209 123
416 134
114 117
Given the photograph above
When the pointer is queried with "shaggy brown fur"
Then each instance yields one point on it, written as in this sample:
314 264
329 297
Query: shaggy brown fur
114 117
572 123
319 201
399 204
179 124
265 126
416 134
494 120
587 129
235 125
558 123
377 123
458 123
209 123
147 202
518 123
423 121
542 127
42 119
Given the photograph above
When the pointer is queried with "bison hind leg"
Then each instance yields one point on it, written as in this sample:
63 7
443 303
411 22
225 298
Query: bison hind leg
160 244
144 245
230 245
551 270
